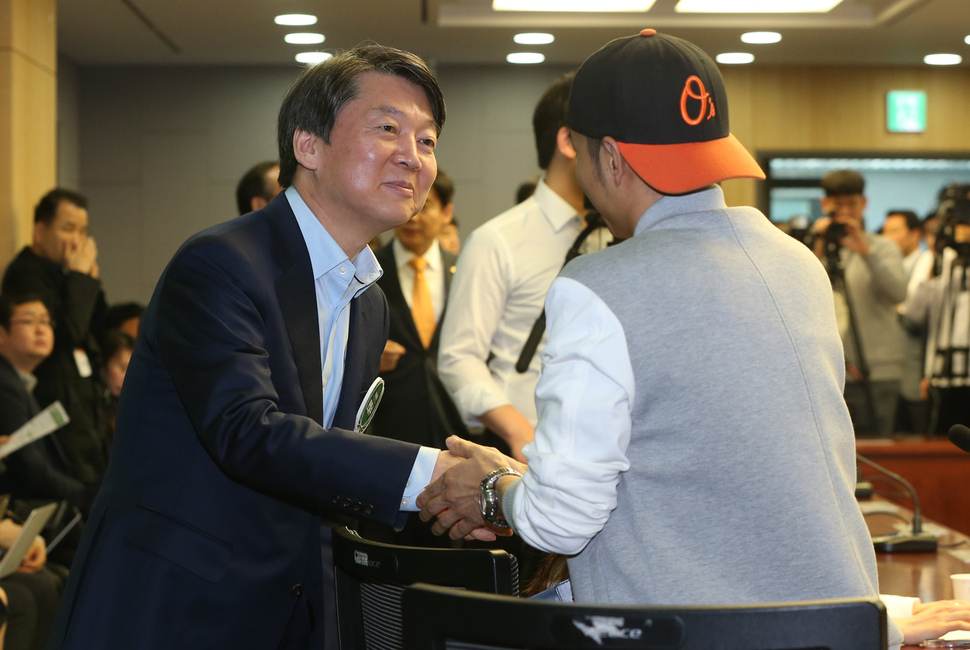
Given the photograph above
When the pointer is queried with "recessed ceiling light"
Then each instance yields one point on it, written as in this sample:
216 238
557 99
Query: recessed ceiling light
295 19
760 38
313 57
304 38
533 38
734 58
755 6
942 59
572 5
525 57
967 40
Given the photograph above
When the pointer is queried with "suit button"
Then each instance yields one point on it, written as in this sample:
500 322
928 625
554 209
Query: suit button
297 590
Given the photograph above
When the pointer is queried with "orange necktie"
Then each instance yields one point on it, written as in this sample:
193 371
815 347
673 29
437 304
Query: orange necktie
421 310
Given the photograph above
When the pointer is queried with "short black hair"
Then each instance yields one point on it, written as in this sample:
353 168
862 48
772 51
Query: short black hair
46 209
444 188
550 116
9 302
525 189
319 93
912 220
113 341
843 182
117 314
253 184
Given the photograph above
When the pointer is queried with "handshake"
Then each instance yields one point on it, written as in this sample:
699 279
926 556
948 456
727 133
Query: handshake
454 495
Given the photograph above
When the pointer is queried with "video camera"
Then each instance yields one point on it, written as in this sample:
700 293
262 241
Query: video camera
953 211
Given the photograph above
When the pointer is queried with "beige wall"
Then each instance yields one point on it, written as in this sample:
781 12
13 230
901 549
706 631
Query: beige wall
160 149
841 110
28 81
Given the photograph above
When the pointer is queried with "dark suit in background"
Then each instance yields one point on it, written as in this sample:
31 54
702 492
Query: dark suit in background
416 407
206 533
39 470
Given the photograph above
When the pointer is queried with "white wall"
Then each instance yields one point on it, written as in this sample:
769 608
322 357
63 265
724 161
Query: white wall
162 148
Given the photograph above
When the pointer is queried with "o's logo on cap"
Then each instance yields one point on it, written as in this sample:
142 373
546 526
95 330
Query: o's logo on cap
694 89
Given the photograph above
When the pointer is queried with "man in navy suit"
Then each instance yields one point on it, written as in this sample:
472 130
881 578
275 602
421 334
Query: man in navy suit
235 426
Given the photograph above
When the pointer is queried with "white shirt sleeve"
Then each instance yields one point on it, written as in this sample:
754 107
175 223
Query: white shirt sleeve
476 302
419 478
584 397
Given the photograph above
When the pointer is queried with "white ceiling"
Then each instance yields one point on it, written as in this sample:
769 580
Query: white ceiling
193 32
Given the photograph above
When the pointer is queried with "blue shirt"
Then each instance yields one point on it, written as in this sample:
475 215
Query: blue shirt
337 281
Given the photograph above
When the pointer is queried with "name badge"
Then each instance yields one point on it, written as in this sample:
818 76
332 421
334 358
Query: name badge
83 363
369 406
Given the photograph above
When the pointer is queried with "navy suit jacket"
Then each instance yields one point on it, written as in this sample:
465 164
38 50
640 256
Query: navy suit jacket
416 406
206 533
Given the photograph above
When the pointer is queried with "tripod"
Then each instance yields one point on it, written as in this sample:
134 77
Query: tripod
949 375
836 271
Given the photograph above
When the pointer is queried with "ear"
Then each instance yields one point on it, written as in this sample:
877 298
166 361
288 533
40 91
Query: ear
565 144
449 212
613 163
307 149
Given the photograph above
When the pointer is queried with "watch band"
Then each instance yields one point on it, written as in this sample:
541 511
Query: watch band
491 506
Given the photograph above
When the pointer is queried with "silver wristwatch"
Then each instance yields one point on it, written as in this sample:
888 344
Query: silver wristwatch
491 505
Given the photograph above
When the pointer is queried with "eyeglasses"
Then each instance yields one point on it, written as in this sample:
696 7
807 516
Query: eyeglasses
33 322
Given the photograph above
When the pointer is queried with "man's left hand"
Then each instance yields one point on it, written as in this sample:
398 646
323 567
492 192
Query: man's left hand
454 498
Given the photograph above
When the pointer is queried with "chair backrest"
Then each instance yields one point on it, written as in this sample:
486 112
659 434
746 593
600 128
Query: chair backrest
371 576
440 619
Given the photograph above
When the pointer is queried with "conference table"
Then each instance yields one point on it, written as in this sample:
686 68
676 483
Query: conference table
926 575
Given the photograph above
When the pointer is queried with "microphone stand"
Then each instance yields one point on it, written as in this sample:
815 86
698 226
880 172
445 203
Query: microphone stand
914 542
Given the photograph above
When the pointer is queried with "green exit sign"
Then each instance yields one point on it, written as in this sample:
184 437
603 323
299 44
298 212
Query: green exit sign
906 111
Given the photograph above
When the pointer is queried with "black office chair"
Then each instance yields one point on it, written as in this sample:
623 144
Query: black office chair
440 619
371 576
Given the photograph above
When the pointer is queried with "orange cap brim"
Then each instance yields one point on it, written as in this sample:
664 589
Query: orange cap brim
682 168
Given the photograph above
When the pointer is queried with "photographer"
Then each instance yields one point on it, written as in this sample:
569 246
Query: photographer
868 282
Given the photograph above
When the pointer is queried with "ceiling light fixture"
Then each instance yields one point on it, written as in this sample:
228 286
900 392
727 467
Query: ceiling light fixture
304 38
734 58
295 19
572 5
525 57
760 38
967 40
942 59
310 58
533 38
755 6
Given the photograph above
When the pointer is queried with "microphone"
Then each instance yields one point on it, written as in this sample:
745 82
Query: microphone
960 436
915 542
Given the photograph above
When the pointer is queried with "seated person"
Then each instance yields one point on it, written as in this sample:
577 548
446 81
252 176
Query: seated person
33 592
38 470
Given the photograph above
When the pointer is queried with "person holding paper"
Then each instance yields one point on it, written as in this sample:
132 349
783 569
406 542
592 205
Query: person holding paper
40 469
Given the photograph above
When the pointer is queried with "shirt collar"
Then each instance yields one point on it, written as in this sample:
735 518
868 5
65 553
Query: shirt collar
706 200
555 208
29 381
403 256
325 253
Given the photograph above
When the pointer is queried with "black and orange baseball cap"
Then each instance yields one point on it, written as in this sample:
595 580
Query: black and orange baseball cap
663 100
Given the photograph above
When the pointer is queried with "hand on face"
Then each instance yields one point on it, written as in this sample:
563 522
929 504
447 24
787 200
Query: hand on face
454 497
81 255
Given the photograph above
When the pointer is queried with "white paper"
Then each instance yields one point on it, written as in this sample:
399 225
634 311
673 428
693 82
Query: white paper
44 423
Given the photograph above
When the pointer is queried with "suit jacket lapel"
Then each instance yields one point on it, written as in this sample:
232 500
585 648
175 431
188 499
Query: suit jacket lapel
296 293
391 285
362 359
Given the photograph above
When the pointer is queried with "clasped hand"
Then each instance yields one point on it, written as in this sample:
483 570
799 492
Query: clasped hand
453 498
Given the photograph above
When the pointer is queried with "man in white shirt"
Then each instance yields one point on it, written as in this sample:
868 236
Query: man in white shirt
504 271
905 229
692 430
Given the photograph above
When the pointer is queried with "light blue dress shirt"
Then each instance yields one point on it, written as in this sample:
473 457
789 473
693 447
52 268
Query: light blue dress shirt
337 281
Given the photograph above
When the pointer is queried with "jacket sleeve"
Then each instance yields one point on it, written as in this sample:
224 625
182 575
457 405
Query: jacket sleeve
213 338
